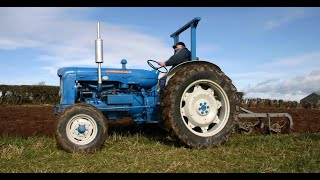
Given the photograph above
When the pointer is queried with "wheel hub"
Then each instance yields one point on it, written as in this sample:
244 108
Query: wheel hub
203 107
81 129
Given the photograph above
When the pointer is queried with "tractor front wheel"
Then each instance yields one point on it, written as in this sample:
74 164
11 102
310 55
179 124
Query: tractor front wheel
81 127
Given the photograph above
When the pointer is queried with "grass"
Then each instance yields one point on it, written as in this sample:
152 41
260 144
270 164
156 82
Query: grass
138 153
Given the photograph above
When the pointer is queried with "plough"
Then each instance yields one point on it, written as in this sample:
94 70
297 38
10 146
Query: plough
247 127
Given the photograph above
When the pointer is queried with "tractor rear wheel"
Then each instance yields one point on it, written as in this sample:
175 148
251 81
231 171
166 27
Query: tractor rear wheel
200 106
81 127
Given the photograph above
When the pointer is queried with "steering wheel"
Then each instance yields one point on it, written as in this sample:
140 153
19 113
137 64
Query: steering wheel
156 68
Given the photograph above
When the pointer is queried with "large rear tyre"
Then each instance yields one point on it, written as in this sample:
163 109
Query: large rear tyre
200 106
81 127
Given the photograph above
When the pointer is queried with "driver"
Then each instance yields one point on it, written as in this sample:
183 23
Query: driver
181 54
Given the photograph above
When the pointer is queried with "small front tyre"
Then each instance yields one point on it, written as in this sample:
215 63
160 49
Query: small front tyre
81 127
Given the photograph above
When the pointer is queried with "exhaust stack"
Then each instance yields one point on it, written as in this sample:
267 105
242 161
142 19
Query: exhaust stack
99 55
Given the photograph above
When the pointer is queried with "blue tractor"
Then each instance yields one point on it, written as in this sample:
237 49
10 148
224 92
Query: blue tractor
199 107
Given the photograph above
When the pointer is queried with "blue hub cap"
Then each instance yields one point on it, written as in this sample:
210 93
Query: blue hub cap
82 129
203 108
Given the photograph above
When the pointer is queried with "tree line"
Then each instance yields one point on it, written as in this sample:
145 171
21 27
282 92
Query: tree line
44 94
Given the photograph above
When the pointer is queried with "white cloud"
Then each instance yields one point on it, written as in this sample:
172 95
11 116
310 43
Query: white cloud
248 79
292 89
271 24
288 78
305 59
258 74
12 44
65 40
50 69
290 14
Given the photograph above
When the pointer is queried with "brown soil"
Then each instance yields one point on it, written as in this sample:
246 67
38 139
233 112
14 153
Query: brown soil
304 120
26 121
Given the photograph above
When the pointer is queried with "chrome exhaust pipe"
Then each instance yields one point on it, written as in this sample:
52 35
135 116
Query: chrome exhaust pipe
99 56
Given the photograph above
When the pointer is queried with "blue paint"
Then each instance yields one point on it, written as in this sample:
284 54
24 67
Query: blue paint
203 108
193 25
124 92
82 129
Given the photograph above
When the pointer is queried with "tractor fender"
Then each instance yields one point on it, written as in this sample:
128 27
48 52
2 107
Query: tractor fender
173 71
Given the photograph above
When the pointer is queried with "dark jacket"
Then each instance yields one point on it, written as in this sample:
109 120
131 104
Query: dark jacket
180 56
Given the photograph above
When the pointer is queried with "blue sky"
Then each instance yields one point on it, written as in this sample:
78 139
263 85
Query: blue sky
268 52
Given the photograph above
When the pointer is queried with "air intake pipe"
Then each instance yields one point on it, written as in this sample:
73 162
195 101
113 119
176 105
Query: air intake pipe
99 56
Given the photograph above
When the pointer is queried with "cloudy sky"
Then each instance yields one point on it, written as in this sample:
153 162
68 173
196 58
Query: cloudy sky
268 52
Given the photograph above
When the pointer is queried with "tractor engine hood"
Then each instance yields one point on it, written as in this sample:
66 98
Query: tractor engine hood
142 78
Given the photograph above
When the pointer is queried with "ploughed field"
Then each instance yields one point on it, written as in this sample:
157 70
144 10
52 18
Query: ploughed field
26 121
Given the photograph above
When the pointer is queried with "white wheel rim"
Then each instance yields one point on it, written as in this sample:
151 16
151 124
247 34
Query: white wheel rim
204 108
81 129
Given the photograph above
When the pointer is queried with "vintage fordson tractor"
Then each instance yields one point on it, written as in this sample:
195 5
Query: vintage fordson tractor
199 107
